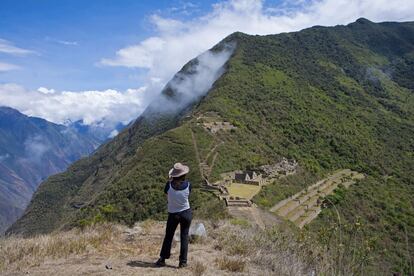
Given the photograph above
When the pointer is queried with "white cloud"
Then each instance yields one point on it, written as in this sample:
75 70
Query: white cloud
113 133
35 147
68 43
93 107
141 55
184 8
63 42
4 67
176 42
44 90
7 47
189 87
4 157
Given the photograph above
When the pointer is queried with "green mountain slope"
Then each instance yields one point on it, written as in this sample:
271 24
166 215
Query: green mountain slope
337 97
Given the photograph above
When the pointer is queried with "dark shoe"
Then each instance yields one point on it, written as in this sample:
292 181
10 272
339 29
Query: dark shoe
182 265
160 262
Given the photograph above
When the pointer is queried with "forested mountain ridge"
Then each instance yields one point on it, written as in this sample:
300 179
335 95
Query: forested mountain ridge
329 97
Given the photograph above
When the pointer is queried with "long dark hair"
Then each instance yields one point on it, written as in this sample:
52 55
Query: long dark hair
176 181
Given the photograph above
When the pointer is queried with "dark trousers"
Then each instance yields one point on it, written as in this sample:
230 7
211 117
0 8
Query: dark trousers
184 219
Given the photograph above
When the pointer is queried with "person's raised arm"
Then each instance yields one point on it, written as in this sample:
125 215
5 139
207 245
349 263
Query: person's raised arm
167 186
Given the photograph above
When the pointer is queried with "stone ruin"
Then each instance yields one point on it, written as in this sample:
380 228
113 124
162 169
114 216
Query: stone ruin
211 121
214 127
248 177
237 201
284 167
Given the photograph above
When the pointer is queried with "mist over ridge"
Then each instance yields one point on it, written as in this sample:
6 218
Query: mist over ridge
193 81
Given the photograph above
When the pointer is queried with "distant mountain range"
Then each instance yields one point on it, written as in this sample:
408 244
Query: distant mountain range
99 131
31 149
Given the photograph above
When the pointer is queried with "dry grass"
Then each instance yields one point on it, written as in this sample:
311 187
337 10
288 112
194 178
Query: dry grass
147 225
198 268
240 222
276 249
235 243
17 252
230 247
231 264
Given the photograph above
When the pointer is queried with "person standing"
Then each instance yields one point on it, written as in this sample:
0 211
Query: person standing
178 191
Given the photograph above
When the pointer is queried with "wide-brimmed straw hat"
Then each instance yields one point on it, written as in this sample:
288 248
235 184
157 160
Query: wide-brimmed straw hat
178 170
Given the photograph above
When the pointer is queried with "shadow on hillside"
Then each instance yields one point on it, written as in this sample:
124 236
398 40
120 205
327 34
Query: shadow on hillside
145 264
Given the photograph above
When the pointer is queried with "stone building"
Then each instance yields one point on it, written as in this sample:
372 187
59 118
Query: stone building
248 177
284 167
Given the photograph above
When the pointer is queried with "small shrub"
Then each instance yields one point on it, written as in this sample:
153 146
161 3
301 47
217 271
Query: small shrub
197 239
235 244
147 224
231 264
198 269
240 222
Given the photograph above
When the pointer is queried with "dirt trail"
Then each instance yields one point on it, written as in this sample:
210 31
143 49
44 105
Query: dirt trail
212 164
212 150
203 166
197 153
254 215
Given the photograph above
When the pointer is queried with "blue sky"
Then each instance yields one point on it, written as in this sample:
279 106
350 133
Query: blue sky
70 37
105 60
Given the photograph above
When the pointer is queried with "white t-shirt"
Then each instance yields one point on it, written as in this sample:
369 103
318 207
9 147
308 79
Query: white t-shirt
178 199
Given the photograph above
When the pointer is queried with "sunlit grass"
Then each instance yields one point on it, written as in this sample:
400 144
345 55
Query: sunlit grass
243 190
